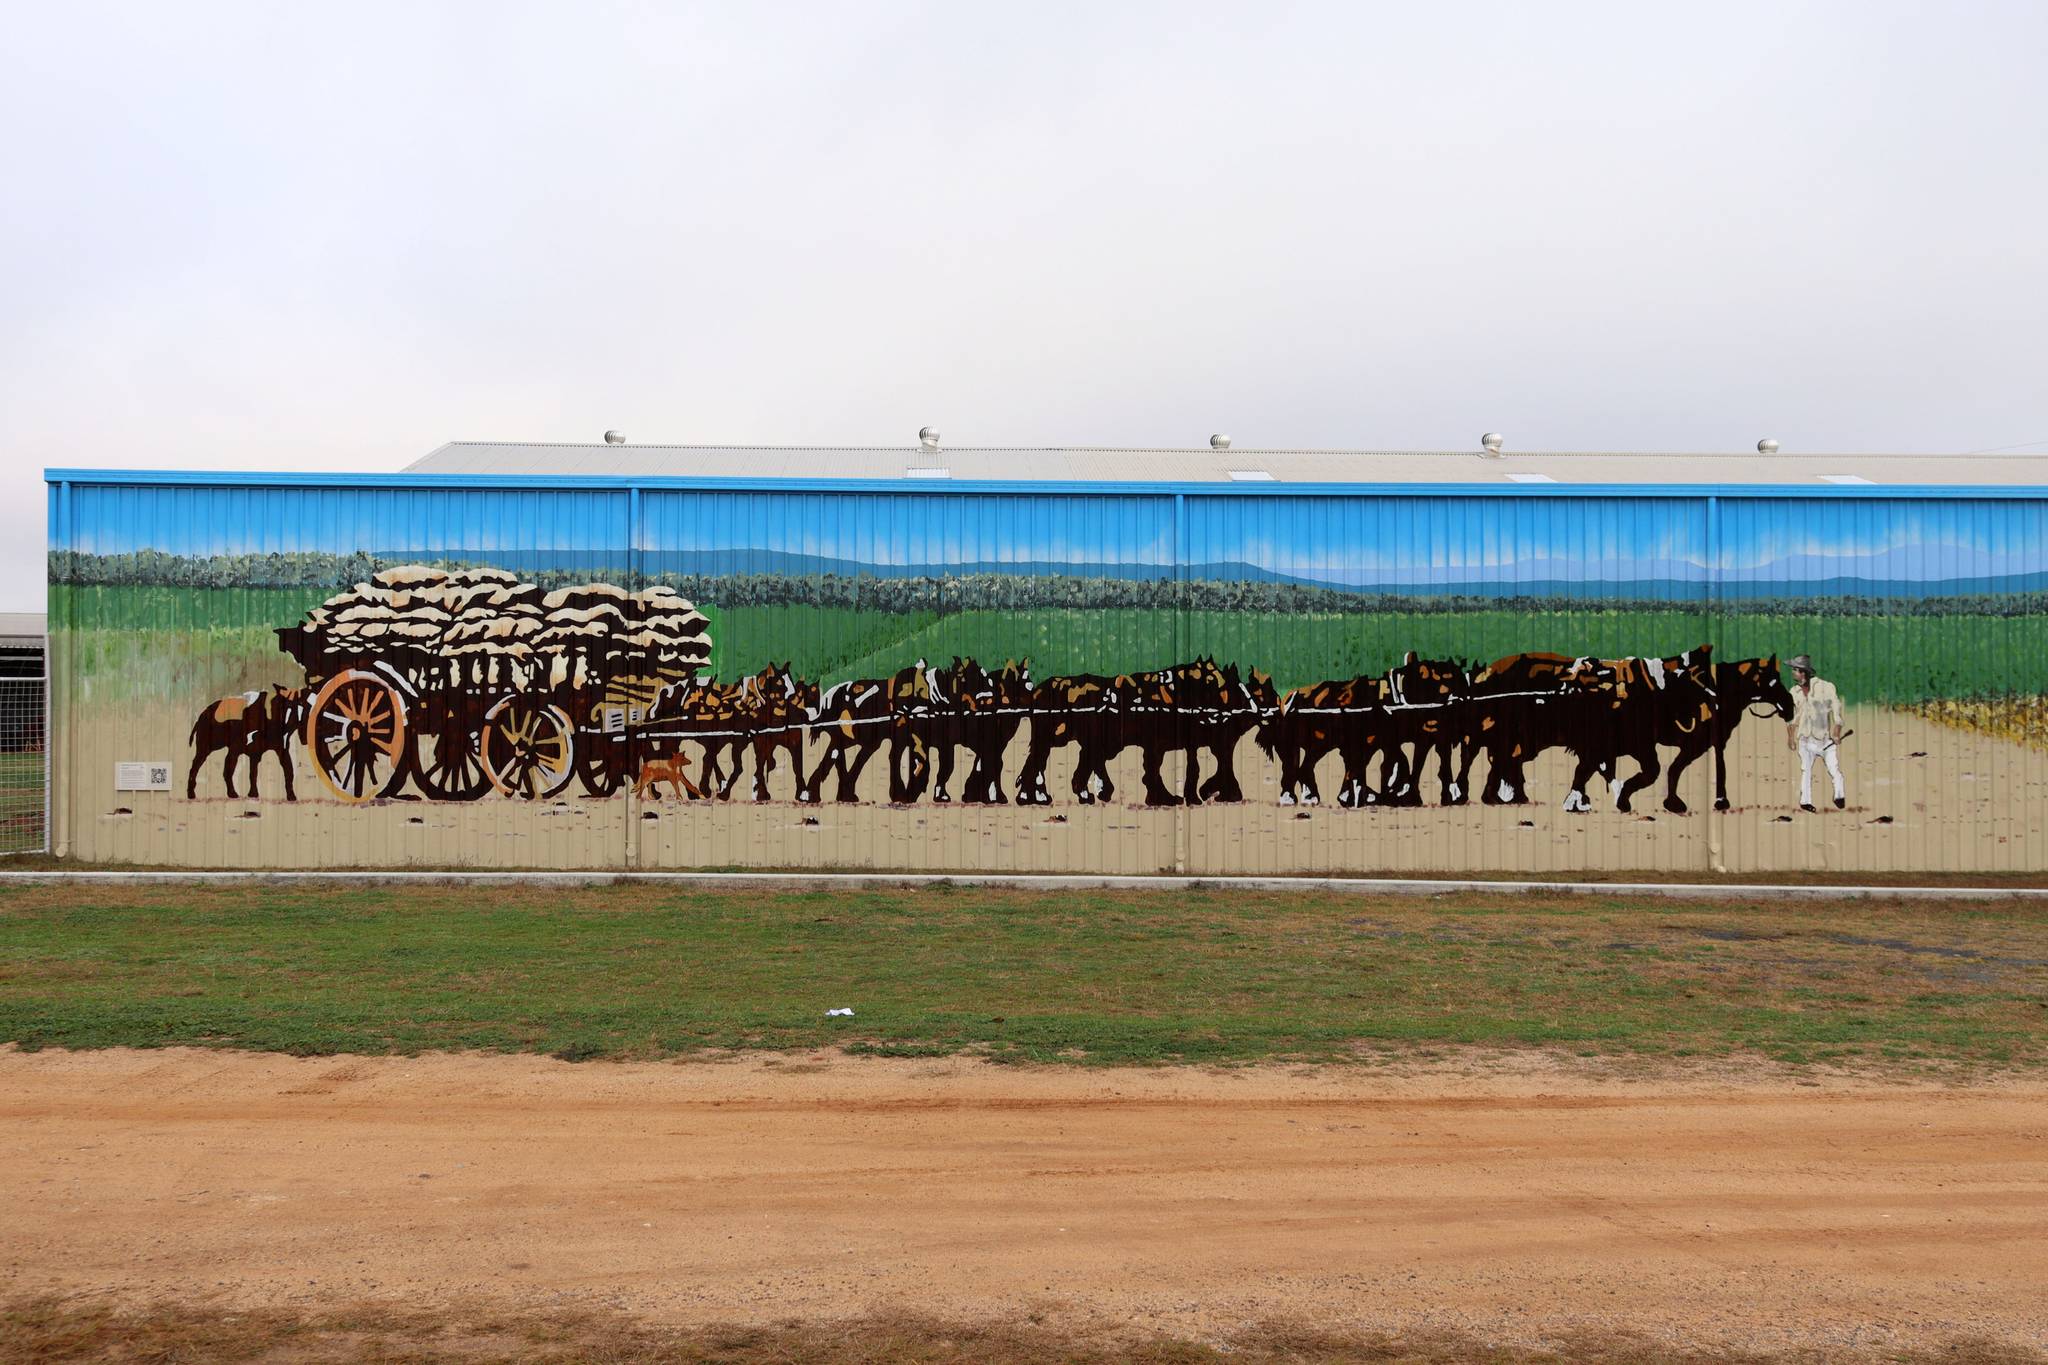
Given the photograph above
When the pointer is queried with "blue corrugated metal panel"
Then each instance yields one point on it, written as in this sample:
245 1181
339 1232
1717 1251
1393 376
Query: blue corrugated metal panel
1924 607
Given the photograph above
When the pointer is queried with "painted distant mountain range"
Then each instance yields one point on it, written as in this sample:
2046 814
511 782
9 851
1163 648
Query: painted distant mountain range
1888 573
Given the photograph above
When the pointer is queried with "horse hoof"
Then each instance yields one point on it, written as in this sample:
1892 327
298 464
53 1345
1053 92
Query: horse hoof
1675 806
1722 804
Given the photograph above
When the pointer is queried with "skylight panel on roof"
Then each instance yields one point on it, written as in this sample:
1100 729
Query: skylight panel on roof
1530 478
916 473
1251 476
1841 478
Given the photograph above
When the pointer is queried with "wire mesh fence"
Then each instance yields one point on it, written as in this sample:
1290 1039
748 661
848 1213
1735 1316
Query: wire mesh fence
24 772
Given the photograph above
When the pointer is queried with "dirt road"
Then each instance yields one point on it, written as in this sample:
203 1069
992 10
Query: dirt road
1512 1203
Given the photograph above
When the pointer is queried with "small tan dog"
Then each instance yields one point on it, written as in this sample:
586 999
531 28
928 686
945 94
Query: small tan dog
674 770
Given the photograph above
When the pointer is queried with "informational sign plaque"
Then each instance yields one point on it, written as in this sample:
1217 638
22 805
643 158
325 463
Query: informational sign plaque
142 777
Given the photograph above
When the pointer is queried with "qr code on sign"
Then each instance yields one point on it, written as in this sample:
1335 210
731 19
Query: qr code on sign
142 777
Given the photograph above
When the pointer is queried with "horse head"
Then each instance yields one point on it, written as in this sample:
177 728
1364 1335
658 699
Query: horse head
1760 681
966 680
1013 682
290 708
1203 684
1421 681
1258 686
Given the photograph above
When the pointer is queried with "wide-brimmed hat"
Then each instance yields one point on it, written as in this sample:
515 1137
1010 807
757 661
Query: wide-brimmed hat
1802 663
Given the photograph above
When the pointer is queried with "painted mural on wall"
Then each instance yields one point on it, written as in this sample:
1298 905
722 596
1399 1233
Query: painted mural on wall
464 682
1088 654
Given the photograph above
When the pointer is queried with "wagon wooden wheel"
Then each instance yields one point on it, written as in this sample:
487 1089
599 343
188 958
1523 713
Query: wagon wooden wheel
528 747
601 763
449 763
356 736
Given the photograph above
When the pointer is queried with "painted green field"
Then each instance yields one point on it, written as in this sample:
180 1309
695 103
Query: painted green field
1870 658
187 642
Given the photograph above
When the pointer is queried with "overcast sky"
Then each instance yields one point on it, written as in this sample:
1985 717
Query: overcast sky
256 237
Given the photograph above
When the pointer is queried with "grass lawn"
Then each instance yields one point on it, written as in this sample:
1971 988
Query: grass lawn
1086 977
21 801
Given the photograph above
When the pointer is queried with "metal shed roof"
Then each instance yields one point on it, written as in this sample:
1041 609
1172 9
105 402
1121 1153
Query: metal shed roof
21 630
1203 464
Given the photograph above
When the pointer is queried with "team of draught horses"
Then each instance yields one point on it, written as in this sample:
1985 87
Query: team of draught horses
1385 729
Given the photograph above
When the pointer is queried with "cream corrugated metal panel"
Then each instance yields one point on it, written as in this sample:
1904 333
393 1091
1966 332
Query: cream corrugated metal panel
1104 464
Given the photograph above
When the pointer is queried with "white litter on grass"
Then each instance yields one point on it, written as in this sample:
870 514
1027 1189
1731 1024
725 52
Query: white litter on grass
846 1012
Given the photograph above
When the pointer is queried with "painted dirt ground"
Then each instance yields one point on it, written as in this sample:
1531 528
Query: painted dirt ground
1923 795
1515 1204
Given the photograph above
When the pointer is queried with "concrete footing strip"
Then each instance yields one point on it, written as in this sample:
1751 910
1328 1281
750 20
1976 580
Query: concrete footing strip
1079 881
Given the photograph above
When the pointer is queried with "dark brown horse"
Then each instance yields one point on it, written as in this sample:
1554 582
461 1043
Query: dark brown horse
932 708
1400 719
1159 712
1600 710
853 720
1310 724
700 709
1250 699
1425 715
986 711
249 726
766 712
1737 687
776 708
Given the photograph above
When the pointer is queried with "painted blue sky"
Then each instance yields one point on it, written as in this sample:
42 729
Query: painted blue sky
1365 542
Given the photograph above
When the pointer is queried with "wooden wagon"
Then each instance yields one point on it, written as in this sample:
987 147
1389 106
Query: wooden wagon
467 681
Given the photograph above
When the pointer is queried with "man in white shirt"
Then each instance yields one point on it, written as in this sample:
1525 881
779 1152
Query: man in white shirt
1815 730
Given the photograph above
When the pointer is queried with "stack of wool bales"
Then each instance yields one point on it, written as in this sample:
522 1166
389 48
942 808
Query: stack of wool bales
486 627
610 632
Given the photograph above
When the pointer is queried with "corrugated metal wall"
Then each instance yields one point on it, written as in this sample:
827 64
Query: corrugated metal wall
1926 612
